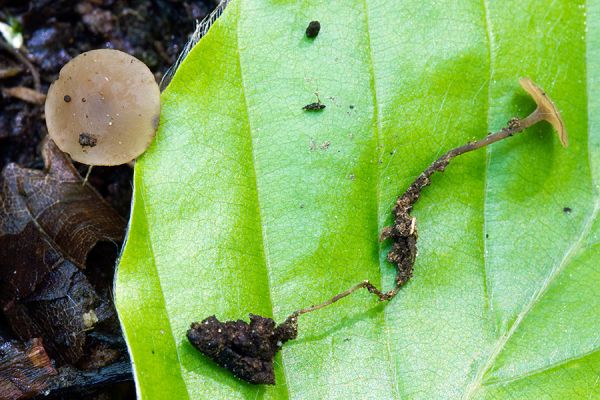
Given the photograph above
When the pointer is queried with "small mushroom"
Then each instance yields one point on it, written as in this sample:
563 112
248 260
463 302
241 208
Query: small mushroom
104 108
546 110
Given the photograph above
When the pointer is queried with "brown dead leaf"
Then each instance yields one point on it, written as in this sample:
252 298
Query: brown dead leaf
25 369
49 223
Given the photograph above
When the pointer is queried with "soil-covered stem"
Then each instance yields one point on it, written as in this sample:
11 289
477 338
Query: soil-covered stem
404 232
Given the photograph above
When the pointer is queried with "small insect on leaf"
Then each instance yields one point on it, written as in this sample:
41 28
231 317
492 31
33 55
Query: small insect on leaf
318 106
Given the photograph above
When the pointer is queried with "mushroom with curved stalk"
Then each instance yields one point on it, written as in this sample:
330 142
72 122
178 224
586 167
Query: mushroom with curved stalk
104 108
403 232
403 253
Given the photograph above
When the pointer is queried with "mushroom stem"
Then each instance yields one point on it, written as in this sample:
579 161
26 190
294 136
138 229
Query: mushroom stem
364 284
532 119
514 126
404 233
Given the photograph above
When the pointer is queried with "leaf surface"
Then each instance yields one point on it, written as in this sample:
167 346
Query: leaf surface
246 203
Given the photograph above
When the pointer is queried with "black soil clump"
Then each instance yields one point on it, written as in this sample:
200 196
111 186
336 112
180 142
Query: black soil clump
87 140
246 349
313 29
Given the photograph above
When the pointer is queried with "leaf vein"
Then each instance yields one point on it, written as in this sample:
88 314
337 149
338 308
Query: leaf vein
162 293
264 239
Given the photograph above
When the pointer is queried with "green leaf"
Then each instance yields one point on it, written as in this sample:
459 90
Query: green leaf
246 203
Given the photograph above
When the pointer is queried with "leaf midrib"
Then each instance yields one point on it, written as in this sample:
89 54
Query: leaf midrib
377 129
263 238
162 292
488 156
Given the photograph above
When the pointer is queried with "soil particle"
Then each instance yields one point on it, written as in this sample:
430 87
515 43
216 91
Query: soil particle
567 210
313 28
246 349
87 140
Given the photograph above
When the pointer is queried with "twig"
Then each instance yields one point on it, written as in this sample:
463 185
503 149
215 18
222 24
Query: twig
87 175
71 380
19 56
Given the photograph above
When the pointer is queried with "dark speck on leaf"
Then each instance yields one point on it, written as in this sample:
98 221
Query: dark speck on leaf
351 107
87 140
313 29
246 349
314 106
567 210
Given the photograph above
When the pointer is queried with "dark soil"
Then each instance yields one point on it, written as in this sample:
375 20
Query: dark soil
55 31
246 349
312 30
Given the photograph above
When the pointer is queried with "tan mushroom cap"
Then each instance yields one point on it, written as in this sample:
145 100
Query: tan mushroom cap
104 108
546 109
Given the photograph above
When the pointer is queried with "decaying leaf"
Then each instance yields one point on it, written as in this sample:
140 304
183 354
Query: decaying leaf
25 369
49 223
